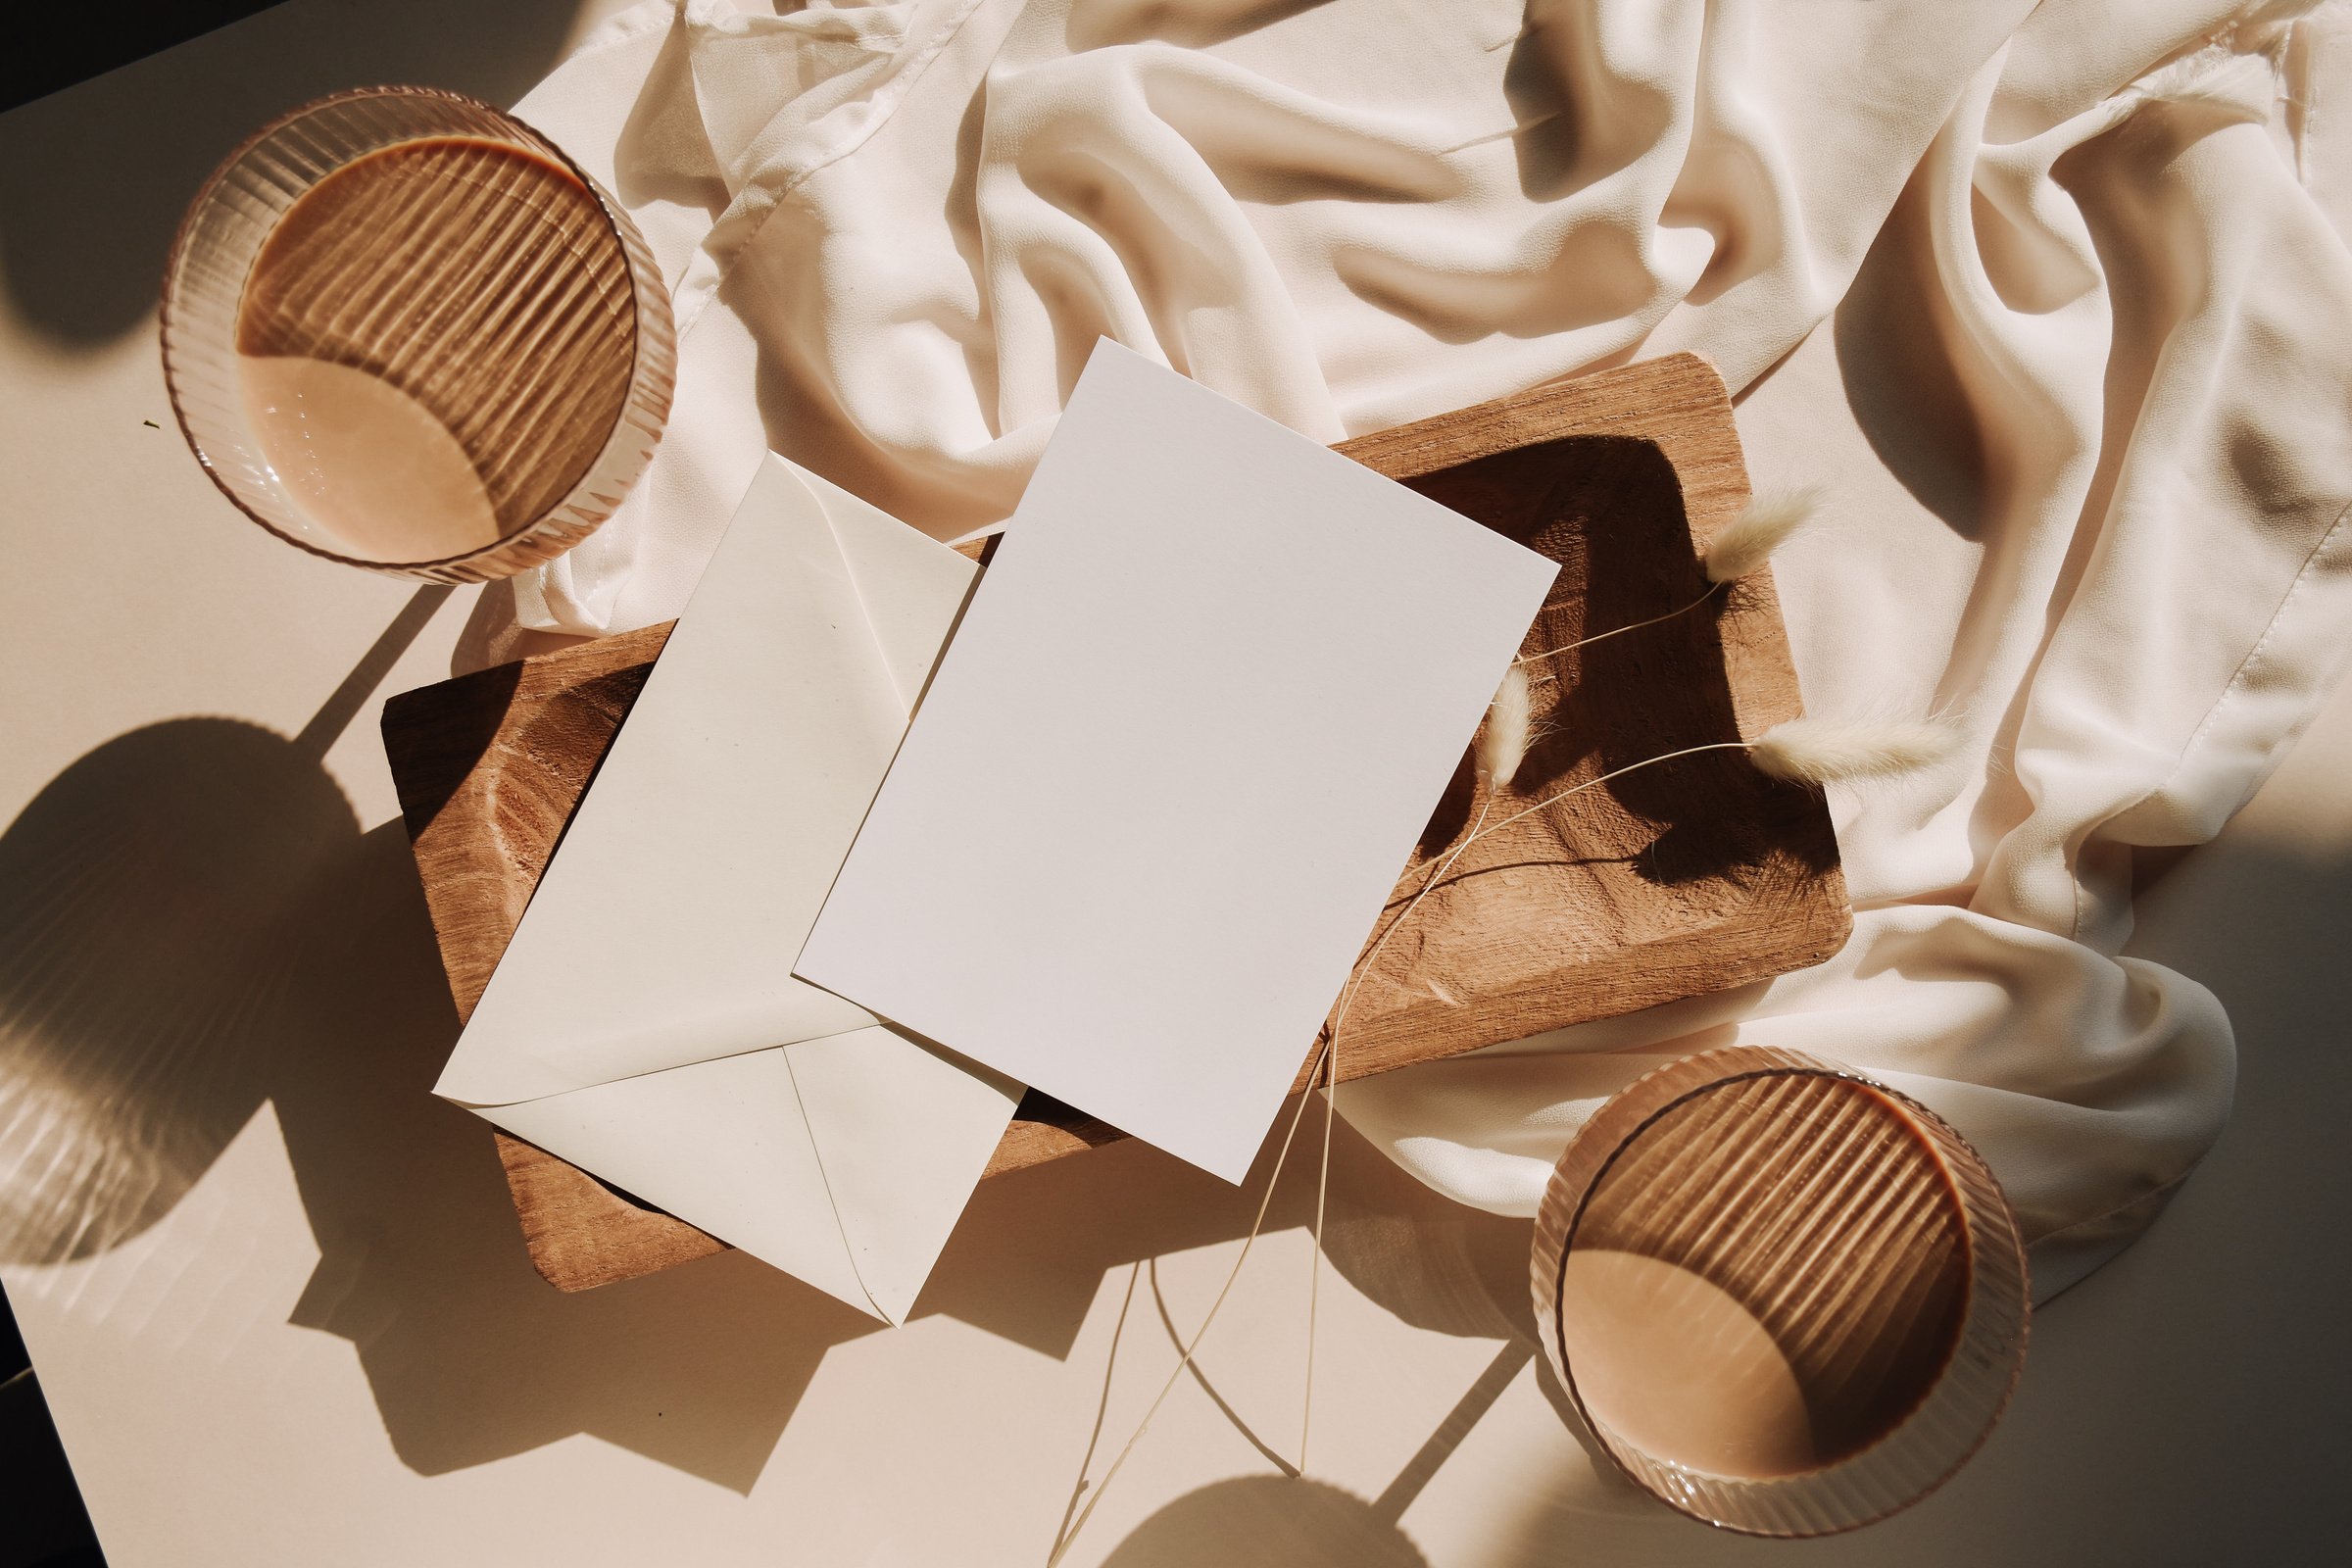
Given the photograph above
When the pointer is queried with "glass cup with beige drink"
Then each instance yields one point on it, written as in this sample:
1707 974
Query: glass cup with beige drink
402 329
1784 1299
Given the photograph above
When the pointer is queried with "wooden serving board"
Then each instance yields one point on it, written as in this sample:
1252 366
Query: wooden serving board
1691 877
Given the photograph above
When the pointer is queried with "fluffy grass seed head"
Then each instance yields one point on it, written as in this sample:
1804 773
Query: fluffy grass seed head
1763 525
1819 750
1503 739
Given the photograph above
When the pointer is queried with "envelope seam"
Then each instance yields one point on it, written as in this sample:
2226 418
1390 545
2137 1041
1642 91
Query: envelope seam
823 1174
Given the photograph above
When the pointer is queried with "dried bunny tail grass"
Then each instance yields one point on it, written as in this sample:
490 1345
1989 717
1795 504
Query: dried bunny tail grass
1820 751
1746 542
1503 740
1763 525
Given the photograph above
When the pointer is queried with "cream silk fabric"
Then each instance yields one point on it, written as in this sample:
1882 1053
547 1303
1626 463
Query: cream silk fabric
2088 305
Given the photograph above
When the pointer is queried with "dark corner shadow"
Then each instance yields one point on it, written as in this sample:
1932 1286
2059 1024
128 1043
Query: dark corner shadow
101 173
192 922
2222 1309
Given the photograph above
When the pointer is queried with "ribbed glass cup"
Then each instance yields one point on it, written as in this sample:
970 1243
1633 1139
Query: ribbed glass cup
460 260
1853 1233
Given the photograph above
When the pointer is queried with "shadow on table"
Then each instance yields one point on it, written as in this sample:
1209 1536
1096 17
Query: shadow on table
192 922
1279 1521
2183 1405
1027 1259
84 224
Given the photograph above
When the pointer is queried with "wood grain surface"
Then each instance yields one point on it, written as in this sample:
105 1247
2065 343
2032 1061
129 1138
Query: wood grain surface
1693 876
1687 878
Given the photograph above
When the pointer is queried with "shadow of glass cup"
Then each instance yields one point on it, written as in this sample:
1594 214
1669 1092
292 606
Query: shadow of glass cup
158 901
1783 1300
404 330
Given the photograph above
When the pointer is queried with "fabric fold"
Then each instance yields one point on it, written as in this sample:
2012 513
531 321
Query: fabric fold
2050 297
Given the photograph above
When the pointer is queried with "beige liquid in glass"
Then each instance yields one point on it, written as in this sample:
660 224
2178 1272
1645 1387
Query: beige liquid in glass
1766 1279
1683 1370
369 463
433 346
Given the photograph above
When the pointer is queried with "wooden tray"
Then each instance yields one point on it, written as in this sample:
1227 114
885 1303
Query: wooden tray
1692 877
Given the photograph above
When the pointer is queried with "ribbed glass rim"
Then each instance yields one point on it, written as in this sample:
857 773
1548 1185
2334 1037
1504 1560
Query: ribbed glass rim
1912 1457
617 228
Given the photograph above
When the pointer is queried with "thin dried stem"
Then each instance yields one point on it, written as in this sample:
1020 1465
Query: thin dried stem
1185 1361
1619 631
1326 1060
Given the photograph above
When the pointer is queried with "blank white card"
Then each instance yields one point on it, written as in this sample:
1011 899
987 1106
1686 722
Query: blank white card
1199 707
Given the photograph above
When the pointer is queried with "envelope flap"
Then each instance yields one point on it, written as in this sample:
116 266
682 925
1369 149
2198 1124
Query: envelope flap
720 1144
844 1161
903 1135
909 584
665 928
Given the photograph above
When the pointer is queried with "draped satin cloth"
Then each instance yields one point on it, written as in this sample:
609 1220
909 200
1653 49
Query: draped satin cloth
2077 265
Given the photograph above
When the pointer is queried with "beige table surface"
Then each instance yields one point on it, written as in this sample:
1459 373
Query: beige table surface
276 1296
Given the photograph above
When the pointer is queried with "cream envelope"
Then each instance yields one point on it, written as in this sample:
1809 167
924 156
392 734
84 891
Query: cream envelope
645 1024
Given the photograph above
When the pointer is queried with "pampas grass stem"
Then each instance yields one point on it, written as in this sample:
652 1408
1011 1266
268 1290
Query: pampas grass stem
1812 752
1619 631
1184 1361
1763 525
